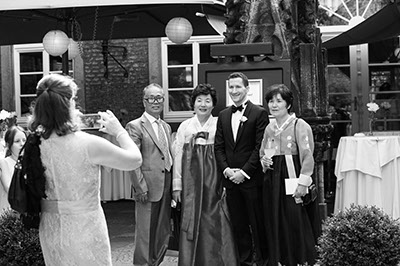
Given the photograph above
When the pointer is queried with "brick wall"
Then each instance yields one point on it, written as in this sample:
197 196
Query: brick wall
116 92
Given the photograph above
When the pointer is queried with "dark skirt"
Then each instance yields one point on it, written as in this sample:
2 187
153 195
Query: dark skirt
206 236
290 234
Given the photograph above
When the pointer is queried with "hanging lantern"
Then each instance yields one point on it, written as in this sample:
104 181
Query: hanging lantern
178 30
55 42
73 49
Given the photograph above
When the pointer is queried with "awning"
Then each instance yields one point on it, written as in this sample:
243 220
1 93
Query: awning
384 24
27 21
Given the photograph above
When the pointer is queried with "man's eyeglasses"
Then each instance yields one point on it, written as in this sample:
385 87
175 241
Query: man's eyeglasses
152 100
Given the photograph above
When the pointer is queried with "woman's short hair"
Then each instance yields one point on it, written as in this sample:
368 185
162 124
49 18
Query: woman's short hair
10 135
53 110
281 89
204 89
244 78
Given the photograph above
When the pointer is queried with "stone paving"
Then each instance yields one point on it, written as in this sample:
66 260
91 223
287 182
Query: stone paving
120 220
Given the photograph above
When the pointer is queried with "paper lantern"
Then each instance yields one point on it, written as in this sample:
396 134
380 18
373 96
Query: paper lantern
55 42
178 30
73 49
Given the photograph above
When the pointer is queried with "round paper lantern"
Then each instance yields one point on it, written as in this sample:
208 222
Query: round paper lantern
55 42
73 49
178 30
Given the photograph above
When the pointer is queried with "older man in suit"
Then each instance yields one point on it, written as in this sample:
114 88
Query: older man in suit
240 130
152 181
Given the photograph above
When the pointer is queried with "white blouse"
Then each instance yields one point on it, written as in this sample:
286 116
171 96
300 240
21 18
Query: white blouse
187 129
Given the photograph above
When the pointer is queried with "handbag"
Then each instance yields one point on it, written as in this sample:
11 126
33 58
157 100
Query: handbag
17 193
311 195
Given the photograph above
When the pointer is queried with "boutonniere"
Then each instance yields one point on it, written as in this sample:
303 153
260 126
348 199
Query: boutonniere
243 119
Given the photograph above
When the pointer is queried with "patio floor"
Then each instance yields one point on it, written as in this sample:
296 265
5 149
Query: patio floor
120 217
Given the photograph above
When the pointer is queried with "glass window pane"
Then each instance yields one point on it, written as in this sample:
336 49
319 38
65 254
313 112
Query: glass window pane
31 62
56 63
339 56
205 53
180 77
338 79
180 54
180 100
28 83
27 104
384 51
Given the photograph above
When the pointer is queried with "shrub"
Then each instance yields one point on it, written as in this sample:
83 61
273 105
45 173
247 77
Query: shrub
18 245
360 235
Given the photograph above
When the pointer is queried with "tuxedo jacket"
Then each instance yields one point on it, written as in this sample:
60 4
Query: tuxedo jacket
150 176
244 152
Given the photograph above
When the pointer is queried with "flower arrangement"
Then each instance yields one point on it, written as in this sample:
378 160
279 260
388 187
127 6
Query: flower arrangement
7 119
372 108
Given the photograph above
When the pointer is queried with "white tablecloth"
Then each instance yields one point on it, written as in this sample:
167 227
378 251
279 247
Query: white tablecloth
115 184
367 171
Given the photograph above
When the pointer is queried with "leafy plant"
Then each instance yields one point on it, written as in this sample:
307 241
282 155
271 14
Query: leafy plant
361 235
18 246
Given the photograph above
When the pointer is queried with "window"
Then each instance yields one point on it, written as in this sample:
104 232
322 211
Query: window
31 62
179 71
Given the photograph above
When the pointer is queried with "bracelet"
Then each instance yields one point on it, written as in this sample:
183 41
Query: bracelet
122 132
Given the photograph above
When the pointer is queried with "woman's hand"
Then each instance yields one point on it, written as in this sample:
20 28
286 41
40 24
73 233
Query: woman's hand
176 196
301 191
110 123
266 162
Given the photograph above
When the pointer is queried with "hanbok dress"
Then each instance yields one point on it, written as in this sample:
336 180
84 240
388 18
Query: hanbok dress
291 228
206 237
7 173
73 229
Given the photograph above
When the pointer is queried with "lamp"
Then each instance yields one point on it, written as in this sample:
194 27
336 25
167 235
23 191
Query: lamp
73 49
178 30
55 42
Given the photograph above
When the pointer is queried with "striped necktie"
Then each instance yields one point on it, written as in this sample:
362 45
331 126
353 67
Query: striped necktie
164 145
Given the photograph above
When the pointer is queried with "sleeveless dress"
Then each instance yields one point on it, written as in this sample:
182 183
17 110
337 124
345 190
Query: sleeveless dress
73 229
206 236
7 174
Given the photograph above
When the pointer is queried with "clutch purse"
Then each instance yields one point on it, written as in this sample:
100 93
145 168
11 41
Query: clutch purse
311 196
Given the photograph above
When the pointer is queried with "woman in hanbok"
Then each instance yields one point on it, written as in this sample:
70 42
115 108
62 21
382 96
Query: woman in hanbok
289 141
65 163
206 236
15 139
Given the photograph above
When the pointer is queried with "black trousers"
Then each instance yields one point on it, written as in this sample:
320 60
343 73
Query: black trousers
246 211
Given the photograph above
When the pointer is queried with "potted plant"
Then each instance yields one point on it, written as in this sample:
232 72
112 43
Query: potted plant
360 235
18 246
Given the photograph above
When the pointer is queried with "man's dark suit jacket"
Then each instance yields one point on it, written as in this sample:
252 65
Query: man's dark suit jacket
244 153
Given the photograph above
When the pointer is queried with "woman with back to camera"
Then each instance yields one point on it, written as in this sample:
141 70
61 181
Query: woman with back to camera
73 229
15 139
206 236
290 234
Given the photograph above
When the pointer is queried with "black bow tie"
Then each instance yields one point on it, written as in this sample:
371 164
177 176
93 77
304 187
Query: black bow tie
237 108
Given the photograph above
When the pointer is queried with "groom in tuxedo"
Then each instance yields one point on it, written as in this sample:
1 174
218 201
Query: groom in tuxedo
240 130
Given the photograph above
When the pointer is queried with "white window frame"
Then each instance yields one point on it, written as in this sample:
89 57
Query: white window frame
179 116
28 48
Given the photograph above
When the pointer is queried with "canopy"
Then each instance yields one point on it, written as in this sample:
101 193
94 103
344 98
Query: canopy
384 24
27 21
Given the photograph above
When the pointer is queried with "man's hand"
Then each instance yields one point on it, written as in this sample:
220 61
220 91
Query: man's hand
237 177
176 195
141 197
229 173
